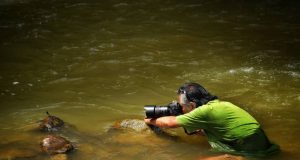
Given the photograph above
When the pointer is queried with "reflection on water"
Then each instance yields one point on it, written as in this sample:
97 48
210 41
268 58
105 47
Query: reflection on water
93 63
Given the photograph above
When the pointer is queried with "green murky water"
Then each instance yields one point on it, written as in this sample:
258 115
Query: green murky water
94 62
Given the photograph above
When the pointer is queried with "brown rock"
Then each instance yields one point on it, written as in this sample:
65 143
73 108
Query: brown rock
51 123
53 144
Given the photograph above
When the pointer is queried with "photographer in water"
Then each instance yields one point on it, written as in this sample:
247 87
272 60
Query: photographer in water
228 128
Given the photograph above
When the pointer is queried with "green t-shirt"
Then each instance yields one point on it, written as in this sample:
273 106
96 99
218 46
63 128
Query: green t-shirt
222 120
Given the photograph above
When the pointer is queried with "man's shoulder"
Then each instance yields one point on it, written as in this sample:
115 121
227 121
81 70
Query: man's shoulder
213 103
218 102
217 105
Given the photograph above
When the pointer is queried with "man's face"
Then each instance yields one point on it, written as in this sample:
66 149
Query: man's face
185 104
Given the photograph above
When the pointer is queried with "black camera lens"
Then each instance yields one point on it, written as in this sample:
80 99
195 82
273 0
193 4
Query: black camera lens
172 109
153 111
149 110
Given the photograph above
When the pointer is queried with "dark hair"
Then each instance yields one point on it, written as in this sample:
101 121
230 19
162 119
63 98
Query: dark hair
196 93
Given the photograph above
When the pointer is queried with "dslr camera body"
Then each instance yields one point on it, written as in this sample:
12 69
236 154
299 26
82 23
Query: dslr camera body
172 109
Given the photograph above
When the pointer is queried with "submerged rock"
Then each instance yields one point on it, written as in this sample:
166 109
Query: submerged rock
59 157
139 126
15 153
136 125
53 144
18 145
50 123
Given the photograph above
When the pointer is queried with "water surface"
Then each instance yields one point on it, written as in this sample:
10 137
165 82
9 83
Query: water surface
95 62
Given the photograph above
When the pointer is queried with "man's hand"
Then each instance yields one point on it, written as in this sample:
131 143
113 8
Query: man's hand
148 120
163 122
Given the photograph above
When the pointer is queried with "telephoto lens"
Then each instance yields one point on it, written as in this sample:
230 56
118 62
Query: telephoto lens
153 111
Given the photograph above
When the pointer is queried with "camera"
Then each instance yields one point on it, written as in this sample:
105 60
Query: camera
172 109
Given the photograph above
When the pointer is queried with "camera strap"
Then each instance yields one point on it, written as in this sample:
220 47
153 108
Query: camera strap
188 132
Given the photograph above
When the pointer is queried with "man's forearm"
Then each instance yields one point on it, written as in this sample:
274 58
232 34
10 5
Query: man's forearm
164 122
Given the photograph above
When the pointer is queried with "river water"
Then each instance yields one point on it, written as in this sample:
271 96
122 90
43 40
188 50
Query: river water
95 62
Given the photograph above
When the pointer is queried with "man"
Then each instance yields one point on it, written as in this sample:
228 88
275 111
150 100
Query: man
228 128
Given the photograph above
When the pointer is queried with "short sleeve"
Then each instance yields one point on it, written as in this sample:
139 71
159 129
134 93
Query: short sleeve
193 120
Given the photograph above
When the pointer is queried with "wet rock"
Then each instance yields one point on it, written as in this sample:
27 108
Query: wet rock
136 125
53 144
140 127
50 123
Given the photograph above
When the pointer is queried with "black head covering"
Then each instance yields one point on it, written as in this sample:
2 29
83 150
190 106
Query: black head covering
196 93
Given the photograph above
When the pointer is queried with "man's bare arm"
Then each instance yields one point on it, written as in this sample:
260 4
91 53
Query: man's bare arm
163 122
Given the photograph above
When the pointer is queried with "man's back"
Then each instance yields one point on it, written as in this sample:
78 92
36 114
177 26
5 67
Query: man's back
222 120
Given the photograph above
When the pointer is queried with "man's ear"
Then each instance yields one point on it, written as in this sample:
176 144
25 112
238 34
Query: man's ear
193 104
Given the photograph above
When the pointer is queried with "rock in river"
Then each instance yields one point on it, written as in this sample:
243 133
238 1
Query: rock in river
136 125
50 123
53 144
